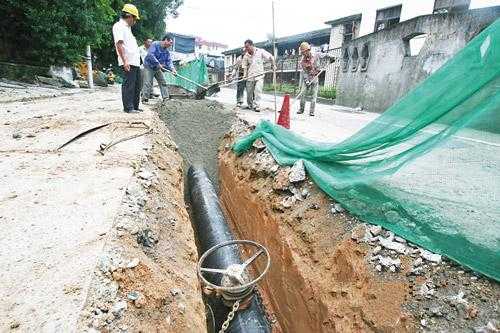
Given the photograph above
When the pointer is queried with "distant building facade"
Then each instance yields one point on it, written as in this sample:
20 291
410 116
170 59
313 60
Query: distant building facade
209 48
379 68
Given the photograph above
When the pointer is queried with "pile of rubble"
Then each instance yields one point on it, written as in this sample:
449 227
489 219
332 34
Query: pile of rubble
394 246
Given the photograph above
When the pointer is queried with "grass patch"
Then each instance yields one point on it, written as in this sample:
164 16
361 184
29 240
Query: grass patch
287 88
327 92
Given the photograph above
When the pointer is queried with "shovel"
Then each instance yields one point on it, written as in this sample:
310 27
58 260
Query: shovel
225 84
215 88
202 91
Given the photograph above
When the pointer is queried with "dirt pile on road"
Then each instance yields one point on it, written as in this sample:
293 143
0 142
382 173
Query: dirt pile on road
330 272
197 126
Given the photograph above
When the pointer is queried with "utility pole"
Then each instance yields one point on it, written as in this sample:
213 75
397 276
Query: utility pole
274 68
90 78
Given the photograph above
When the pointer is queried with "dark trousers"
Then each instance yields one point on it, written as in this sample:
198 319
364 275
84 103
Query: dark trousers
131 88
240 89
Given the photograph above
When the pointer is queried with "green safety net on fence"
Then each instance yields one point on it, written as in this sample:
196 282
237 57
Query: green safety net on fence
428 168
195 70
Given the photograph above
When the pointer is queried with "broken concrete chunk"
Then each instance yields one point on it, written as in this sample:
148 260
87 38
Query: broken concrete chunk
387 262
429 256
400 240
426 290
133 263
436 311
297 193
118 308
416 271
376 250
458 298
391 245
105 264
337 208
298 172
133 295
417 262
145 174
375 230
288 202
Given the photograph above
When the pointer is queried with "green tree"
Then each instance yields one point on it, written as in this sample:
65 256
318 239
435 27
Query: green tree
53 32
47 32
153 14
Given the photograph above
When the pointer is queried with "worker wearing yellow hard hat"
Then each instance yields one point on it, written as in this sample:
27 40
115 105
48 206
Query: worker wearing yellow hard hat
131 9
310 63
304 46
129 58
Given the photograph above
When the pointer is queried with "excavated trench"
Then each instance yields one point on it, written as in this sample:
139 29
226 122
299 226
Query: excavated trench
322 278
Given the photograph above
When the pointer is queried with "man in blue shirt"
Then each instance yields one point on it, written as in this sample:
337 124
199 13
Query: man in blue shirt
156 62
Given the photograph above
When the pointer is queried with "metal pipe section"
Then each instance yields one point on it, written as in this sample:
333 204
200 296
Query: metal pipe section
211 229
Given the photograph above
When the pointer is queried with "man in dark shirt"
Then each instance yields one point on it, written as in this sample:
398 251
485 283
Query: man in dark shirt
156 62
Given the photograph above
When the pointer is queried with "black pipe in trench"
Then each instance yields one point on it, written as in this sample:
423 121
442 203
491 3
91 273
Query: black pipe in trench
211 229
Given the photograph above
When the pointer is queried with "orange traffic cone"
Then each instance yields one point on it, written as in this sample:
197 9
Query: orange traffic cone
284 118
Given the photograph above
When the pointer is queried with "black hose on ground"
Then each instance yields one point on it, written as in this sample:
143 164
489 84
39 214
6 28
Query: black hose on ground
211 229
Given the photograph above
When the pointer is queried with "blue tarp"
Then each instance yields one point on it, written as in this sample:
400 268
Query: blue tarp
183 43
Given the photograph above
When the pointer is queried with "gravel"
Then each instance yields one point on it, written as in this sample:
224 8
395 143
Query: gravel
197 126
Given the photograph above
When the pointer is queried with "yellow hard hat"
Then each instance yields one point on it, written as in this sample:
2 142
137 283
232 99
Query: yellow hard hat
131 9
304 46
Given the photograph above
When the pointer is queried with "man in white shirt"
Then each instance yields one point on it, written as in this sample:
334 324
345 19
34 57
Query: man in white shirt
143 49
128 58
253 69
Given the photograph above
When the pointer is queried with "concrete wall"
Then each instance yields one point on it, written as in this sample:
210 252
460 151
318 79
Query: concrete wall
336 41
390 73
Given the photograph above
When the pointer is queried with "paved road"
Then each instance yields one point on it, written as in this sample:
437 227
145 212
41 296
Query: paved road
330 124
56 207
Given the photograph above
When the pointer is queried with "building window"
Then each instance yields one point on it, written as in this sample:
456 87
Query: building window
387 17
345 60
348 32
450 6
365 57
413 43
355 59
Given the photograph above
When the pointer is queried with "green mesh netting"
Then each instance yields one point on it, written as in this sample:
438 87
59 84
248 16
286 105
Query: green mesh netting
195 70
428 168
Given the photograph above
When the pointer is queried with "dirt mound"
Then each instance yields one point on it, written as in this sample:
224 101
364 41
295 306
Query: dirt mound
197 126
331 273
